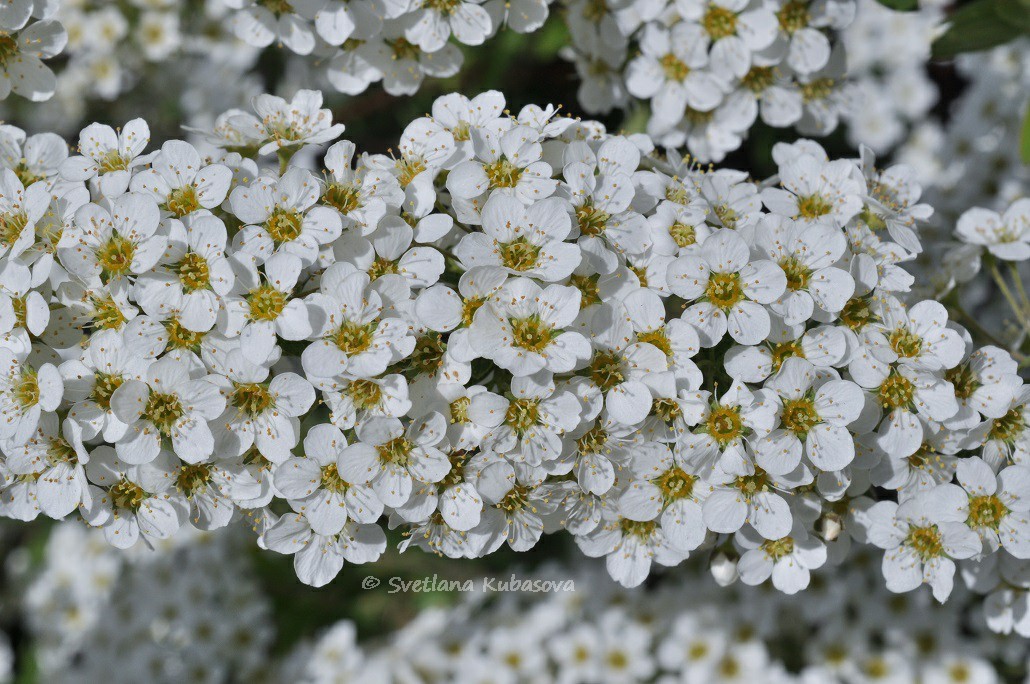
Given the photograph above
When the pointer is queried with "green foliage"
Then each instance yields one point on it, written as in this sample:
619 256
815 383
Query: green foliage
981 25
1024 138
901 5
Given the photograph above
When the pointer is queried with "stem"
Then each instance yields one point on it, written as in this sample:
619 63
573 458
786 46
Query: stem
285 154
1007 293
1014 270
959 314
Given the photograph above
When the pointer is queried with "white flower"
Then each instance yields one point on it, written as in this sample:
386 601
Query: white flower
750 498
728 289
259 412
922 538
816 190
301 121
90 380
281 216
815 413
351 339
807 254
918 336
314 487
506 163
523 240
999 505
736 28
134 502
261 306
261 23
362 195
667 491
21 67
431 25
392 460
317 558
622 368
27 390
1005 236
788 560
630 547
528 428
109 156
521 329
167 404
20 209
113 240
180 182
55 456
671 72
195 276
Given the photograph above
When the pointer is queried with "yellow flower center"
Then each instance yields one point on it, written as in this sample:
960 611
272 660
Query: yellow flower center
284 225
896 391
797 273
674 68
606 370
11 226
104 385
127 495
682 234
163 410
265 302
675 484
926 541
986 511
354 338
724 290
522 415
905 343
365 394
531 334
813 206
193 272
592 221
193 478
182 201
520 254
115 257
800 416
793 16
719 22
724 424
251 398
502 174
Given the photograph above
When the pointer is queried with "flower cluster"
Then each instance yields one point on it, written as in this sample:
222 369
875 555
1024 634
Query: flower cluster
190 610
887 54
518 324
687 630
29 35
704 72
708 69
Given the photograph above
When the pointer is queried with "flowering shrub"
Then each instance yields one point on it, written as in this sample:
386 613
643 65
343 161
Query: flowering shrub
516 324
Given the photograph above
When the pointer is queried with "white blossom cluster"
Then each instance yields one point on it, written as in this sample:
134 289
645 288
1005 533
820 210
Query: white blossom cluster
708 69
973 159
689 630
514 325
189 610
28 35
700 73
887 55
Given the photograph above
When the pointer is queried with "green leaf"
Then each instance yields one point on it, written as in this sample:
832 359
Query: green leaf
982 25
1024 138
901 5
